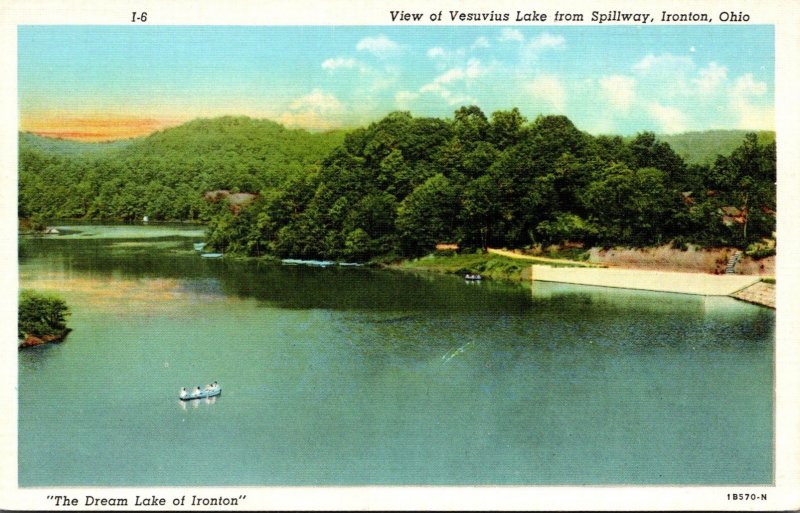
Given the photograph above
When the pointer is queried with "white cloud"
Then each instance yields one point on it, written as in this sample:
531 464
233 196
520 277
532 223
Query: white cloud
436 52
746 101
435 87
549 89
316 110
672 120
530 52
403 98
450 75
474 69
754 117
380 46
481 42
454 77
509 34
665 62
665 76
339 62
446 94
619 91
746 86
711 78
546 40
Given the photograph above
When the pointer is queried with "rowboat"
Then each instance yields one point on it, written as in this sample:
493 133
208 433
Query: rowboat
211 255
199 393
473 277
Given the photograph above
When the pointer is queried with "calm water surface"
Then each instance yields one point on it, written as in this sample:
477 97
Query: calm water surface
353 376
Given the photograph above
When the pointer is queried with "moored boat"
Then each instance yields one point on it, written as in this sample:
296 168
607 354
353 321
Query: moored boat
211 255
473 277
200 393
315 263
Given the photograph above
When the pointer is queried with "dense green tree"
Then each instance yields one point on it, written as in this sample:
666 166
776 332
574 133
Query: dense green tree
41 314
427 216
747 180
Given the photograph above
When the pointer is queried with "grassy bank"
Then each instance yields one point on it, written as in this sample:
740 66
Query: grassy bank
489 265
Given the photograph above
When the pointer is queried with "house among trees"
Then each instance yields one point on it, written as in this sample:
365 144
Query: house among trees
236 200
733 215
443 246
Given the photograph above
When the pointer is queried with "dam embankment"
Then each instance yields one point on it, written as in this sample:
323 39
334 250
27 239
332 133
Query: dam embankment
660 281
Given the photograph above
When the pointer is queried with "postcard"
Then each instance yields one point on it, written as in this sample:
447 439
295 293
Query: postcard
440 256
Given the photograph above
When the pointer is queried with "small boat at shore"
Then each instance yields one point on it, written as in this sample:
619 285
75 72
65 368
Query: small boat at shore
211 255
314 263
200 393
198 246
473 277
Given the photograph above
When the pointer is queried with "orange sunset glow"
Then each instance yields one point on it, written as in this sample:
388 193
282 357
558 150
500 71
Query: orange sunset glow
94 129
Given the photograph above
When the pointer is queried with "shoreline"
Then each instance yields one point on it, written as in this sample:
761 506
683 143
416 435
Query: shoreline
505 266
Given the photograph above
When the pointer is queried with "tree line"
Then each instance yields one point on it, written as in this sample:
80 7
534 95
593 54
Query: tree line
401 185
162 176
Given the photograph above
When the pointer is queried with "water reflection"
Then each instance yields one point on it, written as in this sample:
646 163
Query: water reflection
296 287
391 312
34 358
196 403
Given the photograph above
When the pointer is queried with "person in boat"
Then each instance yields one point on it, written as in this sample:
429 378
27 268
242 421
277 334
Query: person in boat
197 389
183 392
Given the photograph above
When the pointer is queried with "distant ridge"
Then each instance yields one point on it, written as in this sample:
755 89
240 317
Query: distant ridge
697 147
703 147
68 147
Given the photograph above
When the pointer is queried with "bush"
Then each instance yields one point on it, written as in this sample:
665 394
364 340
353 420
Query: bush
41 314
758 251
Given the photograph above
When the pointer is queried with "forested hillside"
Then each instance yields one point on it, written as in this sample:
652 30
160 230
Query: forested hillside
164 175
402 184
703 147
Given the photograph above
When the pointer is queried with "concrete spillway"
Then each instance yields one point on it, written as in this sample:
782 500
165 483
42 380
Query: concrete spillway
660 281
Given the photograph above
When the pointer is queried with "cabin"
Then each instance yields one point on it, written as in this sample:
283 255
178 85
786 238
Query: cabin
733 215
236 200
444 246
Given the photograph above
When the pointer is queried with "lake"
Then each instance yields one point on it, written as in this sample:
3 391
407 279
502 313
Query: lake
357 376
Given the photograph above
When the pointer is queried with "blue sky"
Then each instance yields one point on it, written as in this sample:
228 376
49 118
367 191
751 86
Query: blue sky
620 79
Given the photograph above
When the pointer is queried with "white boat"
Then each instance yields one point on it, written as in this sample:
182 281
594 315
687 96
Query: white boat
316 263
473 277
200 393
198 246
211 255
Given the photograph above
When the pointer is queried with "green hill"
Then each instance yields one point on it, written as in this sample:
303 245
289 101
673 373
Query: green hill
703 147
163 175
